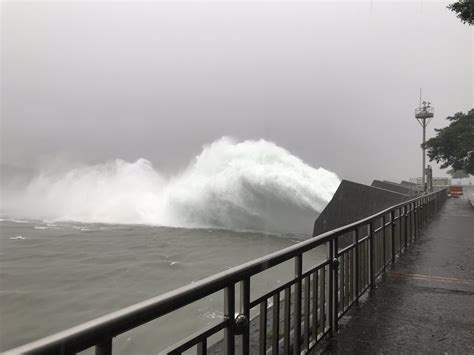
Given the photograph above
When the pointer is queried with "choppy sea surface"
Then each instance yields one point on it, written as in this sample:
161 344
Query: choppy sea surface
57 275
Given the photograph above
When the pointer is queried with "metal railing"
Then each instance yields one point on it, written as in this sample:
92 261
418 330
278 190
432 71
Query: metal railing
307 307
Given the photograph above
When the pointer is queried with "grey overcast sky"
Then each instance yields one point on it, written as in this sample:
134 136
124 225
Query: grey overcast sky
336 83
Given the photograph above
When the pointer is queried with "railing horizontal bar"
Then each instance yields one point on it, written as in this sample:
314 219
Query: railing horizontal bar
195 338
281 288
97 331
363 239
346 249
272 293
313 269
376 230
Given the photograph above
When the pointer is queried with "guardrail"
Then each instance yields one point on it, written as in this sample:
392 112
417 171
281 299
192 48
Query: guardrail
309 305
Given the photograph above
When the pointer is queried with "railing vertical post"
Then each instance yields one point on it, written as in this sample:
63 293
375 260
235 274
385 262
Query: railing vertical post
104 348
422 213
315 305
400 226
422 219
245 310
427 208
324 313
202 347
420 209
337 291
416 217
286 322
392 220
406 227
357 272
372 254
384 234
331 289
276 324
263 328
298 295
423 206
229 313
306 309
425 211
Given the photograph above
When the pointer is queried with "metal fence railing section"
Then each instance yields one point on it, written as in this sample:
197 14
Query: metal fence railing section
293 317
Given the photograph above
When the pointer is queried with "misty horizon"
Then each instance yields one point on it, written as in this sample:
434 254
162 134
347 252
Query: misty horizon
335 84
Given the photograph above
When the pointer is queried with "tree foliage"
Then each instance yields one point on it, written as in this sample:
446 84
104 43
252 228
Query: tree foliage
464 10
458 174
453 145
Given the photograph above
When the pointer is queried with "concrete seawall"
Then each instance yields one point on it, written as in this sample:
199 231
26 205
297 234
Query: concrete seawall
352 202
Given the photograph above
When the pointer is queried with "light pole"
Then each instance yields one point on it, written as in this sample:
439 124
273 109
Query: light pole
424 114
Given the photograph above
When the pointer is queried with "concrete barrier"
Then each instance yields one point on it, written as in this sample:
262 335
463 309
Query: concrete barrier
353 201
392 186
409 184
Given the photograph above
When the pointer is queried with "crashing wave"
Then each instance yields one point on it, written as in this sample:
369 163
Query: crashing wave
250 185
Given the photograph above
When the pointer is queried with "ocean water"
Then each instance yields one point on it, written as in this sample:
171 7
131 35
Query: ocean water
80 241
57 275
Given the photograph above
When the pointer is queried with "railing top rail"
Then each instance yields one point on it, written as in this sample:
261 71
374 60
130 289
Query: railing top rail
92 332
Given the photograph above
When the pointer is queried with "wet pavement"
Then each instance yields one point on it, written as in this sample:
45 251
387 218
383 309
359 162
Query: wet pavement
425 303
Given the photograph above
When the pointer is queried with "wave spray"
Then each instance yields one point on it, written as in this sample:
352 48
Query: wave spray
249 185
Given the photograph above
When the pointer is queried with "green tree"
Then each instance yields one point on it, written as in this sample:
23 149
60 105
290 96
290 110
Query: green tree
464 10
458 174
453 145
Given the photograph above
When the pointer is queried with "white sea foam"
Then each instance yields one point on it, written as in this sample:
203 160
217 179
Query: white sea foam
19 237
18 221
237 185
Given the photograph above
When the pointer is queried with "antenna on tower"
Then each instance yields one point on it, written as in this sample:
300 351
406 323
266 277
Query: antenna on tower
424 114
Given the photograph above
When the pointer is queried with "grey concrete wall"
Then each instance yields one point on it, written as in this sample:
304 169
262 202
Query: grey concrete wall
409 184
391 186
415 187
352 202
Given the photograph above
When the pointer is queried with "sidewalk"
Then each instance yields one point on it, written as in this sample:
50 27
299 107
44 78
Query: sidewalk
425 303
